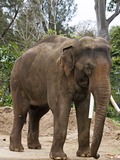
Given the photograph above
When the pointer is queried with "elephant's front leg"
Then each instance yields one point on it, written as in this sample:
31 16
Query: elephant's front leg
83 123
61 116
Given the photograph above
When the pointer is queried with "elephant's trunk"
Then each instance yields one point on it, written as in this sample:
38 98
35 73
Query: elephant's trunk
101 94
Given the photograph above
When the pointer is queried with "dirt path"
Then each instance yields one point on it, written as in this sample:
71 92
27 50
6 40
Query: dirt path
109 149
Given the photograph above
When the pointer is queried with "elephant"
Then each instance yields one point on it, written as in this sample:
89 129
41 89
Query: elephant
53 74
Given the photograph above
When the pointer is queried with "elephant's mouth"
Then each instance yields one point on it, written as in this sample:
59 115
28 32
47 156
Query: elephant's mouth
84 83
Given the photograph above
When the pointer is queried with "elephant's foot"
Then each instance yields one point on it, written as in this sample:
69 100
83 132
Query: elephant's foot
84 152
16 147
15 143
34 145
96 156
58 155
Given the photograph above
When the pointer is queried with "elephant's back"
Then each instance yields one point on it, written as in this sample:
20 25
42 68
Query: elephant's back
33 62
43 51
36 61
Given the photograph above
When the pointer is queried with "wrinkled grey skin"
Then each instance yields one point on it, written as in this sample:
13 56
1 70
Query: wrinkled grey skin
52 75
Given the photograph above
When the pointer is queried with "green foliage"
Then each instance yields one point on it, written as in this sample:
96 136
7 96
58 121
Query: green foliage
33 20
115 41
65 12
111 5
3 21
51 32
8 10
115 73
112 113
8 54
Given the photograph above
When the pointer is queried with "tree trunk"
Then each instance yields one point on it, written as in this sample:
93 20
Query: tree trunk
43 18
102 22
52 14
102 25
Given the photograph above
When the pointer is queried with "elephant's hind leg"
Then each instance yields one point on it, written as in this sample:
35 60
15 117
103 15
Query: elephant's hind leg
21 107
35 114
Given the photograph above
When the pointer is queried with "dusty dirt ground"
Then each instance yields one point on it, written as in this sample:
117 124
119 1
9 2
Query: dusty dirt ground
109 148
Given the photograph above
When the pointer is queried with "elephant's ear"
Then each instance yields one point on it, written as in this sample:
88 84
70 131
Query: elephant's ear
67 60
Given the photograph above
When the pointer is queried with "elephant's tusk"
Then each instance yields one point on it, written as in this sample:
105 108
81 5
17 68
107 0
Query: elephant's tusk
114 104
91 107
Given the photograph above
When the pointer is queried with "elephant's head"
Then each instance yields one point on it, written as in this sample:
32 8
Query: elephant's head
89 60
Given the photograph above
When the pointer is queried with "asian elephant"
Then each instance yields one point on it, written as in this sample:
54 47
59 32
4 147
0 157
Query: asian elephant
53 74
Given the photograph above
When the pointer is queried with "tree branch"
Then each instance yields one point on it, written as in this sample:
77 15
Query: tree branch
10 24
117 12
